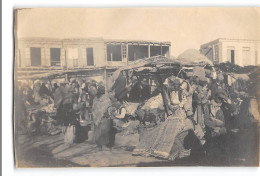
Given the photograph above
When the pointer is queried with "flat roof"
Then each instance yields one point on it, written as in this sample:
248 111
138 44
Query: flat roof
230 39
112 41
140 42
36 39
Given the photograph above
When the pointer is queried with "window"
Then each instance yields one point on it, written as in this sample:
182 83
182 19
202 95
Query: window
231 55
165 51
114 52
216 50
124 51
246 56
155 51
90 57
35 56
137 52
55 56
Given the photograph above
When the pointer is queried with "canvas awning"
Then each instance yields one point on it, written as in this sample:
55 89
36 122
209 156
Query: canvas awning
193 57
146 65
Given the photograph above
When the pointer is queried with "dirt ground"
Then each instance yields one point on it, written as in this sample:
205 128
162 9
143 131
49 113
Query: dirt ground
50 151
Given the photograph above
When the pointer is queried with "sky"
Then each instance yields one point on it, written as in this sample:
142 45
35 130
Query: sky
185 28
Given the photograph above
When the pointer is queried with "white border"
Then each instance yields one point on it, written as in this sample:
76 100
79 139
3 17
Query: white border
7 57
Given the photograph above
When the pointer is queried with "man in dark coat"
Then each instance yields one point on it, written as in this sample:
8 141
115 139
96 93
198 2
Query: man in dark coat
146 90
120 87
217 85
55 86
135 92
44 90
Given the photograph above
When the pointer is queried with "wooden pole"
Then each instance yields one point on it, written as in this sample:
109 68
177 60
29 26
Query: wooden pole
67 78
50 83
105 78
149 50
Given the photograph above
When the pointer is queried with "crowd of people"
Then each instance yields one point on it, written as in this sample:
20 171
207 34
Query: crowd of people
198 101
66 104
200 96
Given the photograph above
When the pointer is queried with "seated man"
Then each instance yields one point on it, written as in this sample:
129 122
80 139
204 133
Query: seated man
215 121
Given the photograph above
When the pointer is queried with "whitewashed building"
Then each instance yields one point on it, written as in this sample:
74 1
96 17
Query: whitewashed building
91 57
84 52
242 52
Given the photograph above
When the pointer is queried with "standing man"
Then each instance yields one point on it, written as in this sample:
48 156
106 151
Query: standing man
217 85
200 99
120 87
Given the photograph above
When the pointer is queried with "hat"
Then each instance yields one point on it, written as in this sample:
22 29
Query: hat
202 78
171 80
176 82
198 71
208 72
214 75
92 90
196 79
220 77
83 86
184 85
221 94
189 113
134 78
144 81
116 104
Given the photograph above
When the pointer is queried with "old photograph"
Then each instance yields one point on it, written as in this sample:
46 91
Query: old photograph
136 87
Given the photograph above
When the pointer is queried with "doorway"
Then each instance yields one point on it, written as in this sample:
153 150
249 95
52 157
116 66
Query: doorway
232 57
90 57
35 56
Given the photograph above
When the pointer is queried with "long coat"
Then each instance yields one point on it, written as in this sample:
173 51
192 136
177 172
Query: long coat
104 133
120 87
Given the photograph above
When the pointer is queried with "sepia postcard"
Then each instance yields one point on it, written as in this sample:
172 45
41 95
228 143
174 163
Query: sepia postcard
136 87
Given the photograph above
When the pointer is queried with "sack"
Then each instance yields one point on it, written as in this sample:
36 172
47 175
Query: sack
69 136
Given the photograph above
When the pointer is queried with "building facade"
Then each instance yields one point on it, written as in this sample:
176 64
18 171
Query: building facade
95 56
91 52
237 51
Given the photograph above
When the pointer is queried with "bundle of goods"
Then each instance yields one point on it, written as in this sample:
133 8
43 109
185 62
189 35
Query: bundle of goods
100 106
